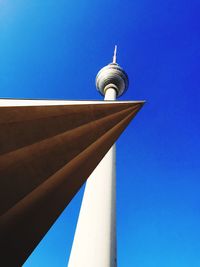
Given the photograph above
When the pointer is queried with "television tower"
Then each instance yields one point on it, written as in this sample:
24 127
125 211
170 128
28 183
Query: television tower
95 237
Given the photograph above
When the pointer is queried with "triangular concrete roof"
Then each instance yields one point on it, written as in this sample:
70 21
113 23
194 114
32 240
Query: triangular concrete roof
47 152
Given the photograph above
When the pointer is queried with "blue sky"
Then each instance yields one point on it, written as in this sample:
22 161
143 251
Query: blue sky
53 49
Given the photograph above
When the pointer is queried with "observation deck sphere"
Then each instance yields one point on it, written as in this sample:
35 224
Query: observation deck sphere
112 74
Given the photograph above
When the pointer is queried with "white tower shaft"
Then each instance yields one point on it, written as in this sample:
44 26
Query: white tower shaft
95 237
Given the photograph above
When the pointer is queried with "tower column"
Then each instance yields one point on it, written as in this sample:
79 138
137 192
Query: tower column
95 237
110 94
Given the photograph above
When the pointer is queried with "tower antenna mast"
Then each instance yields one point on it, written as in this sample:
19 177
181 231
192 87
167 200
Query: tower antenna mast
115 55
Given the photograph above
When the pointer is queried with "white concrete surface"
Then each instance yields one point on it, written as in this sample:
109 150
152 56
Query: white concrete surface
95 237
38 102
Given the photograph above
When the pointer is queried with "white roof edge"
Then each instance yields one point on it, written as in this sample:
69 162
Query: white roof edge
8 102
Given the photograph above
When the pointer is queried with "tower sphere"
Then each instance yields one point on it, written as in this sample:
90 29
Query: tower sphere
110 75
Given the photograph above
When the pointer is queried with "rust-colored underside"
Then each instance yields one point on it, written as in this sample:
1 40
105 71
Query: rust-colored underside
46 154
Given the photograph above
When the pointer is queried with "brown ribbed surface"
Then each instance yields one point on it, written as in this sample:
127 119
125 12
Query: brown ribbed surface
46 154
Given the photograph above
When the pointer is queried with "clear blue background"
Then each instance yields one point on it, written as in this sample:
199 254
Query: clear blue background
53 49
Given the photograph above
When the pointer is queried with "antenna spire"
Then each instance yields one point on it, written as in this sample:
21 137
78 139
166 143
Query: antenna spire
115 55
